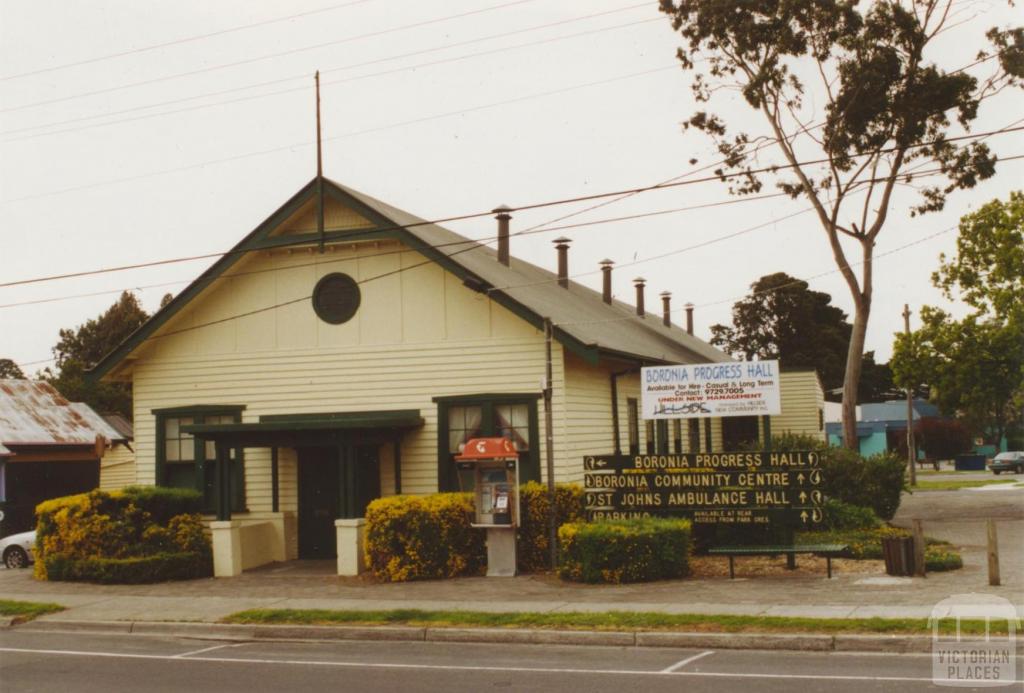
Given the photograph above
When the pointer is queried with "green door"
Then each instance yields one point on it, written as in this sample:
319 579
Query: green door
318 502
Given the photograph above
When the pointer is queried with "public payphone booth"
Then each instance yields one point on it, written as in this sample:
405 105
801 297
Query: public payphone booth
493 465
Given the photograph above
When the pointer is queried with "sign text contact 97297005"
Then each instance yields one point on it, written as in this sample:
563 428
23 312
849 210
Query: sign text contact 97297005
744 388
729 488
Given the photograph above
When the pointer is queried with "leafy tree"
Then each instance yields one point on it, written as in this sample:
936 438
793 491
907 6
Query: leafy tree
942 439
80 348
986 273
885 107
9 369
975 366
783 319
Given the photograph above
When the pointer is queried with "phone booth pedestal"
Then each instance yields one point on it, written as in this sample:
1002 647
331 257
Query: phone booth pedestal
494 464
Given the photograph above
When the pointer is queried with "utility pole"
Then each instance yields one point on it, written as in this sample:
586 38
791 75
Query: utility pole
549 447
911 452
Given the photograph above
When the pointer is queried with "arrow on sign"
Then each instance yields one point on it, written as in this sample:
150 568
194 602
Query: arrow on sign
815 477
800 477
803 516
803 497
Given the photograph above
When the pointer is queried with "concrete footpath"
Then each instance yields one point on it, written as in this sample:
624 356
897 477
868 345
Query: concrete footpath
195 607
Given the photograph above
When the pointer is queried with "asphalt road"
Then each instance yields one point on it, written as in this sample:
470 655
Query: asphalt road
105 663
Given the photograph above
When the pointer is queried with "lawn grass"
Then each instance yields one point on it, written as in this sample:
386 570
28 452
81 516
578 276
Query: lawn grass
610 620
27 610
954 484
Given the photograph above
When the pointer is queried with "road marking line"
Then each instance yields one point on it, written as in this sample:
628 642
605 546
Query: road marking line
454 667
683 662
205 649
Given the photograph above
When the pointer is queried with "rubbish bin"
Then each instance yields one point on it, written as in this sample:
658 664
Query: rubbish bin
898 553
970 463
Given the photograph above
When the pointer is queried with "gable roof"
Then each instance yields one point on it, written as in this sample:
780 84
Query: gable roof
32 412
583 322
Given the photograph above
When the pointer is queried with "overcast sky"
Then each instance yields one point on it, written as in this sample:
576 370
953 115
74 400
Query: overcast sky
133 132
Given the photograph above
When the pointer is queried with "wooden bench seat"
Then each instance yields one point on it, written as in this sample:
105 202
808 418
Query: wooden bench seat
826 550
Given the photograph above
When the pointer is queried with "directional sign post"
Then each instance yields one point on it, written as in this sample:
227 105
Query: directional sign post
720 488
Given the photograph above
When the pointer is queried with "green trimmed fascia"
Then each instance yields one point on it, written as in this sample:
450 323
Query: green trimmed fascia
204 280
200 409
258 239
199 430
386 415
514 397
297 239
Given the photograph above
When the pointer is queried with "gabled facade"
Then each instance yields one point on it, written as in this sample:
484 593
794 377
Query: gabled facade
302 375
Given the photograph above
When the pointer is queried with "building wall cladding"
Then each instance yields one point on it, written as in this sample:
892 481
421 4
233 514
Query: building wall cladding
117 468
418 334
803 405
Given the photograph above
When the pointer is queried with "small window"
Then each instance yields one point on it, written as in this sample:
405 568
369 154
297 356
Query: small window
677 436
459 418
186 462
336 298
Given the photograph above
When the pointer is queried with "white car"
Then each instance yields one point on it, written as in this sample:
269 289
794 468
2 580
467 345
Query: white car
18 550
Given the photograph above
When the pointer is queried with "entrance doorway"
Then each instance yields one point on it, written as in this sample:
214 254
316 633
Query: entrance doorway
334 482
319 493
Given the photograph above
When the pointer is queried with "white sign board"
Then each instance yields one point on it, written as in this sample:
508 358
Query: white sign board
744 388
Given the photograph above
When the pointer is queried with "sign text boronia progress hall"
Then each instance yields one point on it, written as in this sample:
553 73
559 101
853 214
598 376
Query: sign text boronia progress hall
723 488
743 388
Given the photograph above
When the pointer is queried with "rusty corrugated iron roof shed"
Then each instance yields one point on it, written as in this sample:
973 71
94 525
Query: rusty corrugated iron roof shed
32 412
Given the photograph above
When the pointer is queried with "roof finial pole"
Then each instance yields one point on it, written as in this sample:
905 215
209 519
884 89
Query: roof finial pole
319 169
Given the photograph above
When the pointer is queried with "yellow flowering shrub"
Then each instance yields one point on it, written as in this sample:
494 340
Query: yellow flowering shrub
114 537
423 537
532 544
620 551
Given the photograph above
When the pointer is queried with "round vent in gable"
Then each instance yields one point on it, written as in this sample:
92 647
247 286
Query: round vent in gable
336 298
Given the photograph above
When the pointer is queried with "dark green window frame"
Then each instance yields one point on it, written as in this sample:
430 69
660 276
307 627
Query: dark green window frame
529 461
205 468
633 425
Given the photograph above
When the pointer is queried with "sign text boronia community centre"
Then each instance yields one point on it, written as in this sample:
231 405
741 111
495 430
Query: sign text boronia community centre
721 488
745 388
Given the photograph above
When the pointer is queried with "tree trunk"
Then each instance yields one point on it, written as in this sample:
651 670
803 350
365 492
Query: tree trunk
851 382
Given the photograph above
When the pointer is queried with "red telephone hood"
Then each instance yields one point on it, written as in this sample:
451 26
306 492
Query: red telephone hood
477 449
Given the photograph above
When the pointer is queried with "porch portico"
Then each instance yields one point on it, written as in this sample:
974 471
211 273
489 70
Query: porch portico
338 458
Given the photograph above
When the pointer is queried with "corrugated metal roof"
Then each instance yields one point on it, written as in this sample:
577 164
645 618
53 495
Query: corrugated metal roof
32 412
120 424
578 310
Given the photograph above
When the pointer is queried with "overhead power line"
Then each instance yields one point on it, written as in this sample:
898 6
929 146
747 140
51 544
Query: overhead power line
270 56
178 42
519 208
325 71
308 143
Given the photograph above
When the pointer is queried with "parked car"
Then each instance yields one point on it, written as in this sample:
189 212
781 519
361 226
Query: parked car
1012 461
18 550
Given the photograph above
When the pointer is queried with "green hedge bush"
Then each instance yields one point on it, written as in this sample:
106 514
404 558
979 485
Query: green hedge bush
875 482
429 537
134 535
126 571
619 551
840 516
